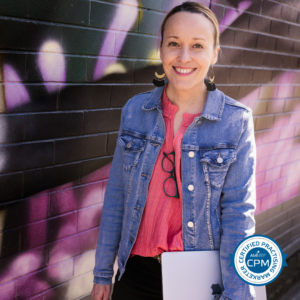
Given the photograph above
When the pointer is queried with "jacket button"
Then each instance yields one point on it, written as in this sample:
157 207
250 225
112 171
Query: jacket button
191 154
190 224
191 187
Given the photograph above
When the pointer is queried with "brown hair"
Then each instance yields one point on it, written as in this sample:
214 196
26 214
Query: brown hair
194 7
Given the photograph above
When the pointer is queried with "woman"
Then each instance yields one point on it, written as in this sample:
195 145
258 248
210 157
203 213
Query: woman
183 172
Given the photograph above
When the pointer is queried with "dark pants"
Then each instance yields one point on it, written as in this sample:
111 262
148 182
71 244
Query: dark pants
142 280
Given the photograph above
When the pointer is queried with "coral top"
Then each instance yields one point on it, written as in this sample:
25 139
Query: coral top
161 224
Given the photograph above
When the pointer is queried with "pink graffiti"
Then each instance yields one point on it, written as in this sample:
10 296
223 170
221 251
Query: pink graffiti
52 65
15 93
123 20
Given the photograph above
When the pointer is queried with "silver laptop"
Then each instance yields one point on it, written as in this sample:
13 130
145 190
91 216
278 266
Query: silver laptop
189 269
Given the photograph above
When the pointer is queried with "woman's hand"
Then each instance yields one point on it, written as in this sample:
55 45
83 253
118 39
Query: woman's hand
101 291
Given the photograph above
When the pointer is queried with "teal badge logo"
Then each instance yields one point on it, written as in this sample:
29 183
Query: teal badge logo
258 260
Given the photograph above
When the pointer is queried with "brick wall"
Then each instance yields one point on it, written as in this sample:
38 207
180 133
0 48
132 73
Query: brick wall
67 67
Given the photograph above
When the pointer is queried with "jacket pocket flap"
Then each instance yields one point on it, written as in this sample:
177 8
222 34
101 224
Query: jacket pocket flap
219 157
131 143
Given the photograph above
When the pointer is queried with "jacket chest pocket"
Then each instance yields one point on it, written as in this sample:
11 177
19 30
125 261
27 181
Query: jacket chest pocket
132 149
215 165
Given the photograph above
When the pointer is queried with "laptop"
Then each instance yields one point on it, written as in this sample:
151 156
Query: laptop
189 269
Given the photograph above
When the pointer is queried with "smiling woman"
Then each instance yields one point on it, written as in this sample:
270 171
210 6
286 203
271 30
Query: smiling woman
183 172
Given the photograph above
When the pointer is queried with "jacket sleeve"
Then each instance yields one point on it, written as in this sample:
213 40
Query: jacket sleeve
111 219
238 204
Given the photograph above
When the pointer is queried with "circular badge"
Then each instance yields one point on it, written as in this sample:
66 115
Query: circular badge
258 260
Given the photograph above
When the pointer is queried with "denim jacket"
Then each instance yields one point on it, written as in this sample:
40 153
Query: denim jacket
218 183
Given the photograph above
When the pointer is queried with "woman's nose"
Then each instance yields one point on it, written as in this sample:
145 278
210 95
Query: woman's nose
184 55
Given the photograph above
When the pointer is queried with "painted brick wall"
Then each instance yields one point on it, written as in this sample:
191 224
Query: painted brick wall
66 68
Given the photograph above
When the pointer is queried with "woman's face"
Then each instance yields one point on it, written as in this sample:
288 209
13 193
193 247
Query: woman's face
187 50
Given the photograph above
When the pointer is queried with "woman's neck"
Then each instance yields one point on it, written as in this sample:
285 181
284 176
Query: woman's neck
189 101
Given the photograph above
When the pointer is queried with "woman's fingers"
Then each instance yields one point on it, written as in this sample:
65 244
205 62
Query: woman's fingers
101 291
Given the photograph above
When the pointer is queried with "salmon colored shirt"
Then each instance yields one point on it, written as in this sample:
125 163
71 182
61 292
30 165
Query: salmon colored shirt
161 224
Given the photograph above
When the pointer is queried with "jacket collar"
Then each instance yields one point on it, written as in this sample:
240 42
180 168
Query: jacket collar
213 108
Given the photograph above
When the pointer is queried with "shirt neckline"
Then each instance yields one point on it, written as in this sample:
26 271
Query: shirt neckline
170 109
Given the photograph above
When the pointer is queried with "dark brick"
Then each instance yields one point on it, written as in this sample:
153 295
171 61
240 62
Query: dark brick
84 96
289 14
91 166
168 5
76 69
246 90
103 65
144 71
296 48
102 15
227 37
261 76
273 60
284 45
137 46
84 41
253 58
9 242
240 22
294 32
153 4
231 56
240 75
11 128
149 22
255 6
231 91
121 94
40 99
16 8
218 11
232 3
271 9
266 42
112 143
35 283
222 75
20 35
259 24
36 181
10 186
290 62
279 28
27 156
24 212
245 39
101 121
51 125
67 11
80 148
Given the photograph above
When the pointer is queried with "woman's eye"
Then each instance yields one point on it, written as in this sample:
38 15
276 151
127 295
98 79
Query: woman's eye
172 43
198 45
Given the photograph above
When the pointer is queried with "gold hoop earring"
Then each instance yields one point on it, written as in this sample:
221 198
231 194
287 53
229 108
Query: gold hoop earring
159 79
212 78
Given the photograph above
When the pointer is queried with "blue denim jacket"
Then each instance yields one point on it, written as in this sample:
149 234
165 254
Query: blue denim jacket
218 183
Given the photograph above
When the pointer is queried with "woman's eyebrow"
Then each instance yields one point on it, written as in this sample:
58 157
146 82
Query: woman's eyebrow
176 37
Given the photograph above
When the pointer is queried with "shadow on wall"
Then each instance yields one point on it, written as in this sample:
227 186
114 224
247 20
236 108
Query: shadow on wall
71 185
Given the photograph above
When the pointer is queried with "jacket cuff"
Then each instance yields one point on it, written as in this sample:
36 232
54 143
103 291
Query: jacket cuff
102 280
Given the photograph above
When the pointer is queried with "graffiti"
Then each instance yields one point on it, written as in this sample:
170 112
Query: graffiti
49 221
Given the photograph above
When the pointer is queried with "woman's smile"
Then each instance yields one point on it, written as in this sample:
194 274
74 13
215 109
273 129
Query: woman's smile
184 71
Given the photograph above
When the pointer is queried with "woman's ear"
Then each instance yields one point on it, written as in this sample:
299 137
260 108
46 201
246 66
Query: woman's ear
215 57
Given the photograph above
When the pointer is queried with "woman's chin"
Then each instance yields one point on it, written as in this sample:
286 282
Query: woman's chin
182 85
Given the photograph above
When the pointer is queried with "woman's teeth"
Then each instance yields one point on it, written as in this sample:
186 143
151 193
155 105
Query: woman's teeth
184 70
